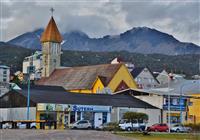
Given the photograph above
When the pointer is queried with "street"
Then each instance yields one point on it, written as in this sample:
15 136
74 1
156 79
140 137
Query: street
58 135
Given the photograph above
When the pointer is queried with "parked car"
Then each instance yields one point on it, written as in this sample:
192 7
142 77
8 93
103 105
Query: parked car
132 126
7 126
159 128
111 126
180 128
82 124
22 125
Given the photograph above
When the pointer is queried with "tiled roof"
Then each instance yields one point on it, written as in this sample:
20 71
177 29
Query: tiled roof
81 77
51 33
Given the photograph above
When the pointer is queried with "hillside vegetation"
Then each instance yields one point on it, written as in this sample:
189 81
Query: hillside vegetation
188 64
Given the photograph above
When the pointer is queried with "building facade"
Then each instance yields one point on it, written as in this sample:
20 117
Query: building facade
55 104
105 78
4 79
194 109
34 60
144 78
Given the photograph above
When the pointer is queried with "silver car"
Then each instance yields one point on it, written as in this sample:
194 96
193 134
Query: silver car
180 128
82 124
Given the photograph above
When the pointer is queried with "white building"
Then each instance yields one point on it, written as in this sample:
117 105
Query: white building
4 79
36 61
118 60
144 78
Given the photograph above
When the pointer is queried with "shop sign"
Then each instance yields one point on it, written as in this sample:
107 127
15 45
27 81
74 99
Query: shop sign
53 107
46 107
87 108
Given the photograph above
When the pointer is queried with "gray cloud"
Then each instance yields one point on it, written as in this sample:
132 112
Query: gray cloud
181 19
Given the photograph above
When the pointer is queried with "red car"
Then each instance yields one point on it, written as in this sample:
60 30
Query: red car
158 128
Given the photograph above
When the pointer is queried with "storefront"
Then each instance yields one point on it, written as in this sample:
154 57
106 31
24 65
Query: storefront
66 114
177 106
55 105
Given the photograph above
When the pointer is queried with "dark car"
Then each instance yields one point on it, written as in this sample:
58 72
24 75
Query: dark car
158 128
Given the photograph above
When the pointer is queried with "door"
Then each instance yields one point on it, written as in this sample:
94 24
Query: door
98 119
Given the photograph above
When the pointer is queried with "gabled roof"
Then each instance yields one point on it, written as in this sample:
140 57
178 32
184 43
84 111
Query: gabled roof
81 77
42 94
136 71
51 33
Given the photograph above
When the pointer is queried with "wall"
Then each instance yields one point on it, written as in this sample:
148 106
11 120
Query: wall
194 110
154 100
146 80
17 113
153 114
162 78
122 74
97 88
173 113
81 91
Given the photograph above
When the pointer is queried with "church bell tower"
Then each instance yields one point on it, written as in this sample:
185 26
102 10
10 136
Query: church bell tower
51 47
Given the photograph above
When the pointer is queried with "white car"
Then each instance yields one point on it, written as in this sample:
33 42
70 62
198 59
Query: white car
7 126
82 124
130 126
180 128
22 125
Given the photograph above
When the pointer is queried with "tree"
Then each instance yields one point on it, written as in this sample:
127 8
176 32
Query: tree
132 116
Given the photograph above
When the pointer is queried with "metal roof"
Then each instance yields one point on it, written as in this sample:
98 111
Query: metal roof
43 94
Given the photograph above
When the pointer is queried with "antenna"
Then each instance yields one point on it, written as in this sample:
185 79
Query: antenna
52 10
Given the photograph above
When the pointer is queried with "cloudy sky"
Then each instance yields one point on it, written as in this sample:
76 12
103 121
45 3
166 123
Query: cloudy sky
102 17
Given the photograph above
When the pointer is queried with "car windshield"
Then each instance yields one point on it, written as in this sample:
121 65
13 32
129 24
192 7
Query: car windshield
122 121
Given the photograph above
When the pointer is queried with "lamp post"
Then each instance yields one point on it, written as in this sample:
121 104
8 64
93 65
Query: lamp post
168 84
30 70
181 94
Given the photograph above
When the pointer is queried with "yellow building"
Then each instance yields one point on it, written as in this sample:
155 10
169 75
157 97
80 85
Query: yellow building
103 78
194 109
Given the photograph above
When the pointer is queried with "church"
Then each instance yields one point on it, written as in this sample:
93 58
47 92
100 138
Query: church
104 78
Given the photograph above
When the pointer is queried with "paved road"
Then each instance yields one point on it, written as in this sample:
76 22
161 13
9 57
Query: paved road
58 135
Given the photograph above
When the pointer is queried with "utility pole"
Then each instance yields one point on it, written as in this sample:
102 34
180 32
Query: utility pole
30 69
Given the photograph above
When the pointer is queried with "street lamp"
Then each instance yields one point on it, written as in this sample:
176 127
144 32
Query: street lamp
181 94
169 76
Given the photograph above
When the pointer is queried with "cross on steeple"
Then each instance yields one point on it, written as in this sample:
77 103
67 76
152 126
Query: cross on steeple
52 10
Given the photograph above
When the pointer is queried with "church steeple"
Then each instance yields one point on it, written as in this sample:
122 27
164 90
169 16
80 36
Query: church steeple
51 33
51 49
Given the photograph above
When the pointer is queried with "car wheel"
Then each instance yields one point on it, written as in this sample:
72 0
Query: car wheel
89 127
128 129
177 130
75 127
33 127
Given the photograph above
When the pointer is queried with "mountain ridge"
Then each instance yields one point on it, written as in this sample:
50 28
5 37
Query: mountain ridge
142 40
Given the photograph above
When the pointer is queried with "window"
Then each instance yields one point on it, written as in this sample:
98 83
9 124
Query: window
104 117
5 71
4 79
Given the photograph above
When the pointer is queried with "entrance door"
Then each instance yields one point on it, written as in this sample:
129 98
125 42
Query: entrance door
98 119
66 120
